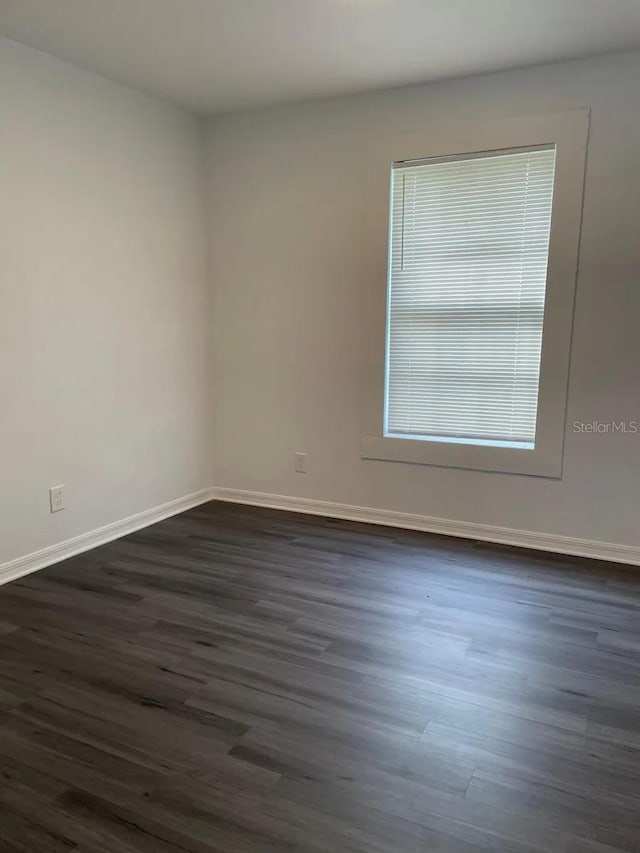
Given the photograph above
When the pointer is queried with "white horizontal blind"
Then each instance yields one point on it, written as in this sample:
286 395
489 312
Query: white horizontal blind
469 244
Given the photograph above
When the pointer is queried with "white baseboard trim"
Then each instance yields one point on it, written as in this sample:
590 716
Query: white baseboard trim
483 532
101 535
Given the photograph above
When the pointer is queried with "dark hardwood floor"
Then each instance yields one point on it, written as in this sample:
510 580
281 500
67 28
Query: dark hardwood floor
237 679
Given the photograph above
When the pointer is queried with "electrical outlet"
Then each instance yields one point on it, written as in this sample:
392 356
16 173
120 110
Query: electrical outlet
301 463
56 498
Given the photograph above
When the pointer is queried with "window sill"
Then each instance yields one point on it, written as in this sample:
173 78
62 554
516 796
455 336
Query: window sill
508 460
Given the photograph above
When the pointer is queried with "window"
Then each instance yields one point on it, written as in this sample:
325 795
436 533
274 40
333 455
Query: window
471 315
469 243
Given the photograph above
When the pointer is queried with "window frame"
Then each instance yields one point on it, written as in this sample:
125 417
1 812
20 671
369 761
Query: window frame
568 131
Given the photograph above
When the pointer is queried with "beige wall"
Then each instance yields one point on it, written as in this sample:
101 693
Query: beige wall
287 235
103 302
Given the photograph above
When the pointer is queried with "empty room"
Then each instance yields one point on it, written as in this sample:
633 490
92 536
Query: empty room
320 426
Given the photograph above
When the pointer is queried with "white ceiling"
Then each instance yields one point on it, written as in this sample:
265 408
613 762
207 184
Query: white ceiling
217 55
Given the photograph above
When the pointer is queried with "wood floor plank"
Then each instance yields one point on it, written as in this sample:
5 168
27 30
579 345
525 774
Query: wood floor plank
240 679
